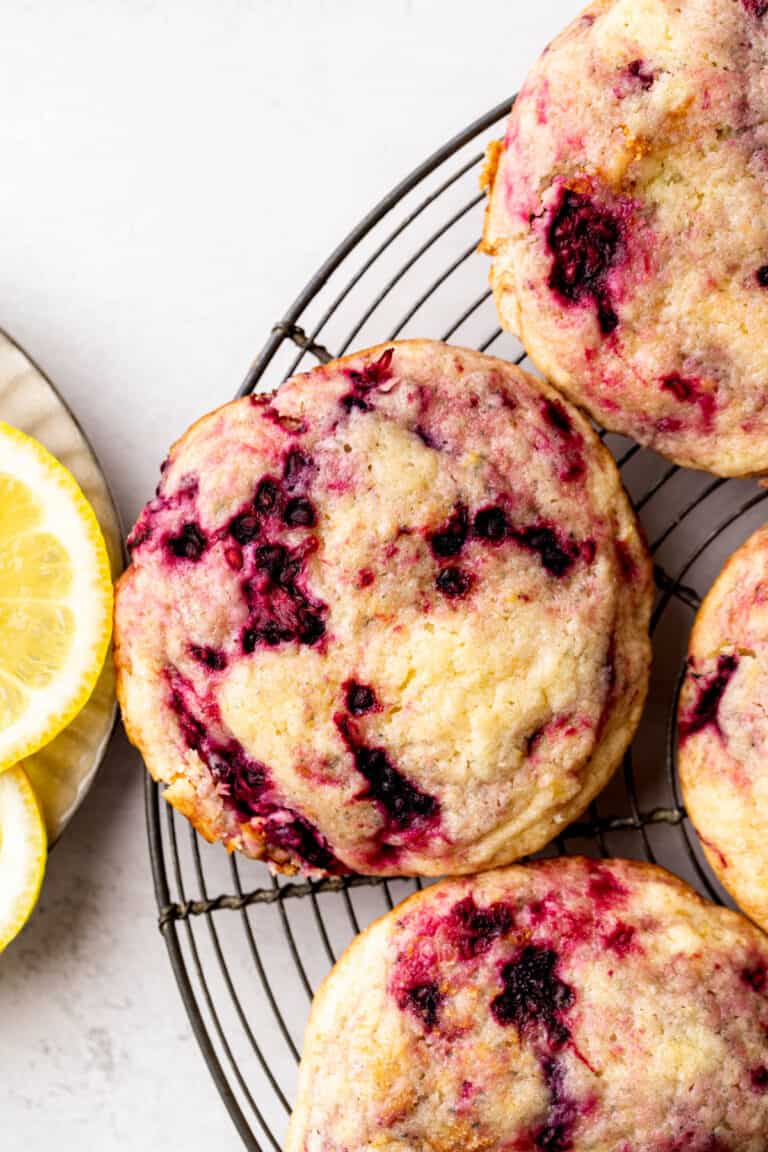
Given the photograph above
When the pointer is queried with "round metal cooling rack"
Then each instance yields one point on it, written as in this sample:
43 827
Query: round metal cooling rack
248 950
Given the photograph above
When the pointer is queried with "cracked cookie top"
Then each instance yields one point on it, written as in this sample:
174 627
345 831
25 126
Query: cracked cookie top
565 1006
628 223
392 619
723 727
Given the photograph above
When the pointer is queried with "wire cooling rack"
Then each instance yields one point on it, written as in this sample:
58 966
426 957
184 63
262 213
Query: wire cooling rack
249 950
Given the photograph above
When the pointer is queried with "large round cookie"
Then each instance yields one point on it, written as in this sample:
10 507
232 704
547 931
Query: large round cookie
393 620
723 727
564 1006
628 221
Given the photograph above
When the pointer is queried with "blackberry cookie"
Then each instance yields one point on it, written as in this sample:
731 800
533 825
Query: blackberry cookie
564 1006
628 224
392 619
723 727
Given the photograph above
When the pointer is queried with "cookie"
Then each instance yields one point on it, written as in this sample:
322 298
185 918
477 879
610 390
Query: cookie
564 1006
391 620
723 727
628 224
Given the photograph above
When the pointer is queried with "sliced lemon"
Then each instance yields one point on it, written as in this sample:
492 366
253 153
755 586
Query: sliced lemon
23 849
61 772
55 597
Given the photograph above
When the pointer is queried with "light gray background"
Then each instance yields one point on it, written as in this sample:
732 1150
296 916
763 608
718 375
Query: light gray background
171 175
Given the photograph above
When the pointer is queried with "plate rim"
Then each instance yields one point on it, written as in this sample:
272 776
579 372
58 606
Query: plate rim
102 748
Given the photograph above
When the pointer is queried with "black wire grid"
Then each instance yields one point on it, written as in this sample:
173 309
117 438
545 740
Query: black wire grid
248 950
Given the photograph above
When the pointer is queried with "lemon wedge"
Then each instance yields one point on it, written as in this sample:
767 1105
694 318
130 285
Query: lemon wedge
23 848
55 597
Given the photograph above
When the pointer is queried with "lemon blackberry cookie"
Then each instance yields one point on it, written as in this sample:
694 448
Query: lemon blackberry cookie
723 727
628 222
567 1005
392 619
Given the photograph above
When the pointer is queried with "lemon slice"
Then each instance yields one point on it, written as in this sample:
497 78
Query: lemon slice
22 852
55 597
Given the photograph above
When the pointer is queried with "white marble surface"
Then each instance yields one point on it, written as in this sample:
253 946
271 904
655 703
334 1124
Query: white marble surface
172 173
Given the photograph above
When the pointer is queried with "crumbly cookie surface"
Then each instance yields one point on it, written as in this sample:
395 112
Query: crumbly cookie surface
723 727
391 620
628 222
568 1005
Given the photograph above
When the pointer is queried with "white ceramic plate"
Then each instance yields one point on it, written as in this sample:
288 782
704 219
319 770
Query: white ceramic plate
62 773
